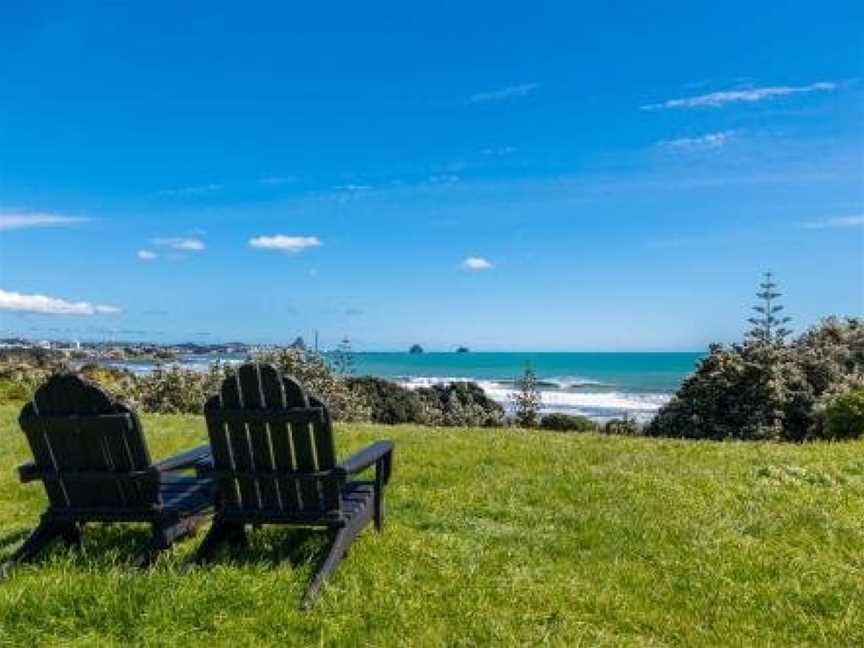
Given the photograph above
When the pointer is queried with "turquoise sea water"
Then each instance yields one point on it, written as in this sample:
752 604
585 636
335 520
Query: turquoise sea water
599 385
632 372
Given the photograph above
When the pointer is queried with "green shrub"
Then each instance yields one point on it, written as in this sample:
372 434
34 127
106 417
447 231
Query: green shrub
19 379
767 390
176 390
14 391
388 402
460 404
567 423
844 416
626 426
121 383
318 377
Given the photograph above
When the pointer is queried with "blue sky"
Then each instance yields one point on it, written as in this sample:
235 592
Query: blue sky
552 176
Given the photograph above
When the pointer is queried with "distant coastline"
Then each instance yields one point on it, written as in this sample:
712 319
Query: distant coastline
594 384
600 385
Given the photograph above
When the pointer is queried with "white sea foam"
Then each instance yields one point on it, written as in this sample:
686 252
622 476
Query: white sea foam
571 394
596 404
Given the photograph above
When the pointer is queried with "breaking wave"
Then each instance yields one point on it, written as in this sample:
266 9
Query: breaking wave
586 398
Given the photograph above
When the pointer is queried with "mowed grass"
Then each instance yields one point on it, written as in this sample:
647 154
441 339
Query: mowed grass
492 538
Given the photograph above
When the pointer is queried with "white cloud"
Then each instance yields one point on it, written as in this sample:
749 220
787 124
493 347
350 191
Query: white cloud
146 255
708 141
838 222
509 92
745 95
498 151
185 244
277 180
13 301
26 220
443 179
476 263
191 191
291 244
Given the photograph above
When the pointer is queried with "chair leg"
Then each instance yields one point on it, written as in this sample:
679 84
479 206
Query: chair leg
341 540
163 536
43 535
71 535
237 535
379 509
382 470
160 539
220 532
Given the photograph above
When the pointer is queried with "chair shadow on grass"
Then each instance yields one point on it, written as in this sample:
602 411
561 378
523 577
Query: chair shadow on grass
276 546
12 538
102 544
123 545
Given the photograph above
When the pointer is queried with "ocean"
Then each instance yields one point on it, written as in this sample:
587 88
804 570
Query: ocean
597 385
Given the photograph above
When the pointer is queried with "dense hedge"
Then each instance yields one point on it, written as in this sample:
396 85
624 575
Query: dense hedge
389 402
844 415
461 404
762 390
567 423
173 389
626 426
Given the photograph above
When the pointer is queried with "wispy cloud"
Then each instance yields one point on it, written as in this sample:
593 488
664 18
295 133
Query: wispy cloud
184 244
290 244
27 220
19 302
521 90
443 179
741 95
276 180
190 191
707 141
146 255
837 222
476 263
498 151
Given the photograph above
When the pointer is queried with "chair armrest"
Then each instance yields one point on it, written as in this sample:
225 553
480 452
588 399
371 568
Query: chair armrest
184 460
29 472
205 468
378 452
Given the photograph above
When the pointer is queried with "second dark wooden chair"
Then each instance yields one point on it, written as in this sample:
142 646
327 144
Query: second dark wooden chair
275 462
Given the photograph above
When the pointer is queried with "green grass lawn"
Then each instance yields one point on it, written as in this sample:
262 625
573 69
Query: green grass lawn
492 538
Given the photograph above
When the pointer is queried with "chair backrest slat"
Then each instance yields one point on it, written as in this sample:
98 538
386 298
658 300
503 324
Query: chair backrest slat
325 454
282 457
74 426
301 439
287 437
251 388
220 447
238 444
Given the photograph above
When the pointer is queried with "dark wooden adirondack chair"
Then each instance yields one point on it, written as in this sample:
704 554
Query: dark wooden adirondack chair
92 457
275 462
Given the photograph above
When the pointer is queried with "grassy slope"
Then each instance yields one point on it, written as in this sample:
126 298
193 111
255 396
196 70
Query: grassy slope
492 537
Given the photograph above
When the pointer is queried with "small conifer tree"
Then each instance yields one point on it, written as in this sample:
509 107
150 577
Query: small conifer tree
768 326
343 358
527 399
